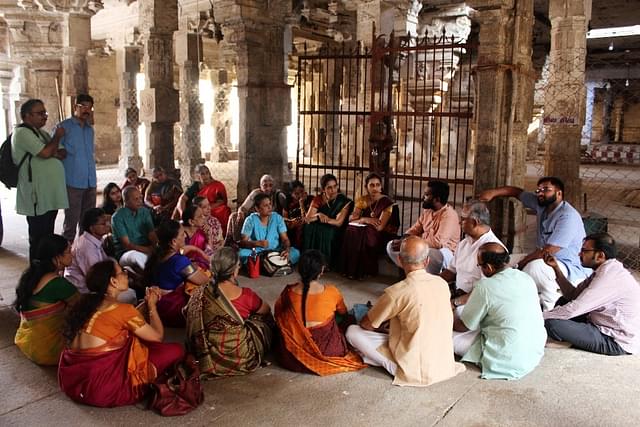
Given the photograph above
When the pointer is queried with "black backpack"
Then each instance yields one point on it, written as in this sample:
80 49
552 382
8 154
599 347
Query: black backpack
9 170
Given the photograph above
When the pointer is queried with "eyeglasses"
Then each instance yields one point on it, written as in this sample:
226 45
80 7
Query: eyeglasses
42 113
121 272
582 250
544 190
85 107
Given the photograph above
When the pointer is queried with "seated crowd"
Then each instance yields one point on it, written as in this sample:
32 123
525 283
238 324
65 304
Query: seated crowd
460 296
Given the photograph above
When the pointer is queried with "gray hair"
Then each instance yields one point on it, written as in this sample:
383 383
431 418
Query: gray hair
479 211
266 177
414 256
128 191
223 263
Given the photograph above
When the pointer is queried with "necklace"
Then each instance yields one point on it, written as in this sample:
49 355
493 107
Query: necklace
373 208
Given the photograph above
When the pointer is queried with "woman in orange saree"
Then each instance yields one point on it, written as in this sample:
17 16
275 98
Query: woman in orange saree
42 297
113 354
311 340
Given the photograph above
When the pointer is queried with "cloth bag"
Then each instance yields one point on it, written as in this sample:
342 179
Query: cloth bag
178 391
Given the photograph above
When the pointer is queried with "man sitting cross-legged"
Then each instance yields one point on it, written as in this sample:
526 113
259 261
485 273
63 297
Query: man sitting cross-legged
133 233
418 348
602 314
560 232
504 312
464 269
438 224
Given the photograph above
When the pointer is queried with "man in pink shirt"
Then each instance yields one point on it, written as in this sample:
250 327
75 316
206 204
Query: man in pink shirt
601 314
438 224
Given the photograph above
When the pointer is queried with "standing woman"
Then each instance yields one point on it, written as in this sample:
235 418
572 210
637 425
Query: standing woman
325 219
371 225
111 198
42 297
311 340
113 353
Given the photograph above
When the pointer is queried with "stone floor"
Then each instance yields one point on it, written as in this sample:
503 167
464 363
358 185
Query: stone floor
569 387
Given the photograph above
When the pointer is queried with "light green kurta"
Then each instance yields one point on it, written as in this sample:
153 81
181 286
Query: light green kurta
47 191
506 310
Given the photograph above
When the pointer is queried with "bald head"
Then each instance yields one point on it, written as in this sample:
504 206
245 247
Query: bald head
414 251
493 254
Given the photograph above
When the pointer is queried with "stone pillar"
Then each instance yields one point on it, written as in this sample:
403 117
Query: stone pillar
588 115
75 75
159 101
503 104
128 63
188 53
618 114
565 93
221 117
256 35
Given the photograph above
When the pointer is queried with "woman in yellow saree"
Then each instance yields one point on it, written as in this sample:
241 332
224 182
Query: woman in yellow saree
42 297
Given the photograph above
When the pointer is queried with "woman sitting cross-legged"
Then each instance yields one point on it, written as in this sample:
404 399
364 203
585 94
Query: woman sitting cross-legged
42 298
372 224
113 353
173 273
212 227
194 235
311 340
265 230
229 328
111 198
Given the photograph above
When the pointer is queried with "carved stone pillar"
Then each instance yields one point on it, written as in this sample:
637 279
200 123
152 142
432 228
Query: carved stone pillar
503 102
618 113
75 75
159 101
221 117
588 115
255 32
565 93
188 51
128 63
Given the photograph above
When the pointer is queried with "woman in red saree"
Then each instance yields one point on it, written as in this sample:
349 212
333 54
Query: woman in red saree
42 298
113 353
311 340
371 225
213 190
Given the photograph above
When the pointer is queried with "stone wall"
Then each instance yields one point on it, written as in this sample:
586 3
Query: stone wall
103 87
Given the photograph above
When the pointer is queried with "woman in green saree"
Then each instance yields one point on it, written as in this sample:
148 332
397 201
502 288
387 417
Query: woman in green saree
229 328
326 218
42 298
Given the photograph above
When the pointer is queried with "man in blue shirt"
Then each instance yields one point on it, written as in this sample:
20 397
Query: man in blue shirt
560 233
79 164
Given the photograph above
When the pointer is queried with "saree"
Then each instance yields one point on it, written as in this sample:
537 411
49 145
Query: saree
214 192
362 244
199 240
324 237
320 349
39 335
224 343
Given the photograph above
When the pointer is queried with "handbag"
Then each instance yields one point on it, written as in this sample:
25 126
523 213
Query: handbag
275 265
178 391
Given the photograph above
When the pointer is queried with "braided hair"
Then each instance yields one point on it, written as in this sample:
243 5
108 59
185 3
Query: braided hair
312 263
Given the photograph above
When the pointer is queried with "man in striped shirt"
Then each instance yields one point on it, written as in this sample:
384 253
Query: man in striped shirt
601 314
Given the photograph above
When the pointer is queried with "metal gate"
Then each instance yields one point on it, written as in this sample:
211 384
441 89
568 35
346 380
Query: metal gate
402 109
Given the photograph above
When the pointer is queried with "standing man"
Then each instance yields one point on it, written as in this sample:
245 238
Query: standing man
560 233
79 164
41 189
438 224
417 347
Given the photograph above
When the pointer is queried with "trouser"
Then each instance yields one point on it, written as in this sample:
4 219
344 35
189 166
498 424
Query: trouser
367 344
545 279
462 341
39 226
80 200
584 335
163 355
439 259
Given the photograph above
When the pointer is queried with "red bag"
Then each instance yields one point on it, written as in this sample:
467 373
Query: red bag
253 266
178 391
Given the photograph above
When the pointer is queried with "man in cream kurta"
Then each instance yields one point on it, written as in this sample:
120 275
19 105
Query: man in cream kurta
418 348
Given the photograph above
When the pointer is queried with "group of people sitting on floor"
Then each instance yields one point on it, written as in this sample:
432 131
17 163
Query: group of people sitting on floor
460 296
